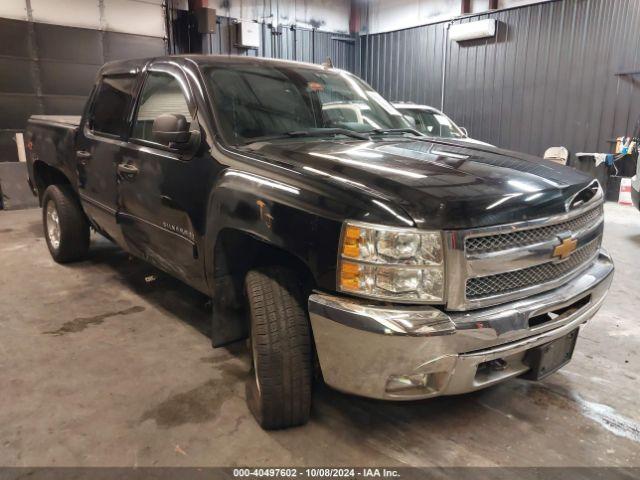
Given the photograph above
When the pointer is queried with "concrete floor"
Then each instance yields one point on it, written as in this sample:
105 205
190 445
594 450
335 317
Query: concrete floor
107 362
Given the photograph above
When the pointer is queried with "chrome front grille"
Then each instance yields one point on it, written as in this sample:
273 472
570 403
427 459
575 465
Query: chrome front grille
492 265
521 238
507 282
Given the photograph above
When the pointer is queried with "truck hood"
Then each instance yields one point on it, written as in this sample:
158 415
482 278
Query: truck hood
444 184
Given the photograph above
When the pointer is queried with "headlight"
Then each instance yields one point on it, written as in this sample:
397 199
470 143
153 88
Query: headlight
391 263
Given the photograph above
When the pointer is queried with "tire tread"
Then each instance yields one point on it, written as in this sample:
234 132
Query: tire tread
281 334
74 226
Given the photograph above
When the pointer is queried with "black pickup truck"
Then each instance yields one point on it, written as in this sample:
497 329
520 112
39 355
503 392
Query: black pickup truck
339 240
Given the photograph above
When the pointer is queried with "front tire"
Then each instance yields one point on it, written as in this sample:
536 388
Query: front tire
279 392
66 228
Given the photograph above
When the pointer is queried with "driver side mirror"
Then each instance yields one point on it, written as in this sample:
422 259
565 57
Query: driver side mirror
464 131
171 129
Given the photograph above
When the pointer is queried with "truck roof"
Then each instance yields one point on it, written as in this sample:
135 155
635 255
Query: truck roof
67 121
125 66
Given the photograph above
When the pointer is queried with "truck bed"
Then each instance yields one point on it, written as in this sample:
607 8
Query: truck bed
62 120
50 140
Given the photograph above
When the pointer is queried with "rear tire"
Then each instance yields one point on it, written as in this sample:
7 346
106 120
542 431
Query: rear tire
66 228
279 392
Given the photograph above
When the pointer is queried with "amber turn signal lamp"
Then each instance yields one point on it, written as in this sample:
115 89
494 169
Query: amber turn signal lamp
350 276
351 242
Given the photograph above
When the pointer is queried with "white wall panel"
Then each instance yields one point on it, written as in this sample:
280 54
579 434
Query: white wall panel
71 13
327 15
390 15
146 17
134 16
16 9
140 17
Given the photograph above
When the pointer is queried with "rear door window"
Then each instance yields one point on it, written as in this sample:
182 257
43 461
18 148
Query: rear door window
111 104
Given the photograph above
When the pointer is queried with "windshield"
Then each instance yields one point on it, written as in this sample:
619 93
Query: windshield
434 124
254 101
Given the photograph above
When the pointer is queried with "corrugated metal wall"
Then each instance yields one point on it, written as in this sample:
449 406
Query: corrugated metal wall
301 44
405 65
548 78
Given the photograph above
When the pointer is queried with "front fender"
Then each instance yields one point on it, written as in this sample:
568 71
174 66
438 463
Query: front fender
281 213
298 215
289 208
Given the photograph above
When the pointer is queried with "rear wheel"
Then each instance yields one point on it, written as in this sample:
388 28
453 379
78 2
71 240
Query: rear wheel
66 228
279 392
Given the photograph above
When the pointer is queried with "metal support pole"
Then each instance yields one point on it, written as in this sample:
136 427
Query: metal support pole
444 64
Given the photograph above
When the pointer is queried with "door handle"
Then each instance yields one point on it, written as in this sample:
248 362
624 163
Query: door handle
83 156
127 171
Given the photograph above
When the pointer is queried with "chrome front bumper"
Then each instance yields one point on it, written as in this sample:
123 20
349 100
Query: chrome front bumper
409 352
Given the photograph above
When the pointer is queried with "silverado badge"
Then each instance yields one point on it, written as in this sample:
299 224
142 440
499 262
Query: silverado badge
566 248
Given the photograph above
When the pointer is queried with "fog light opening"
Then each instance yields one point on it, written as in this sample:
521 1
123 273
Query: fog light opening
402 383
498 365
492 367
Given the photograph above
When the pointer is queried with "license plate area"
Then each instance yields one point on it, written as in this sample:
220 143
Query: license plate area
550 357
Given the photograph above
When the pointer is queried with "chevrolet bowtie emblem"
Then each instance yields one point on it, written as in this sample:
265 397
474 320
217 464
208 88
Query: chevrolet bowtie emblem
566 248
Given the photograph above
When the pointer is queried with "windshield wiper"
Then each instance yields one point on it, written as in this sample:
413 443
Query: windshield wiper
320 132
383 131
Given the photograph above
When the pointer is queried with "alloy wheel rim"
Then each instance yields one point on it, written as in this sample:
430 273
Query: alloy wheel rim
53 225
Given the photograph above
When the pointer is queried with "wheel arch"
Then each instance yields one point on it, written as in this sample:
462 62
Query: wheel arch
45 175
235 253
271 215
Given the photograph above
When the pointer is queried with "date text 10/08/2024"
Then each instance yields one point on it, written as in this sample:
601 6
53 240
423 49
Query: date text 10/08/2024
316 472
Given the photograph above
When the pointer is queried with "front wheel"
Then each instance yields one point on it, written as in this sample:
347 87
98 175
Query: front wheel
66 228
279 392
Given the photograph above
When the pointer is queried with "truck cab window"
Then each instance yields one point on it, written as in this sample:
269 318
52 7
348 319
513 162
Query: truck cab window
254 101
111 104
161 94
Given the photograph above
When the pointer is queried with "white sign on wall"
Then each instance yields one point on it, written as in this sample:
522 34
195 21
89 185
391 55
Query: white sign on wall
248 35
